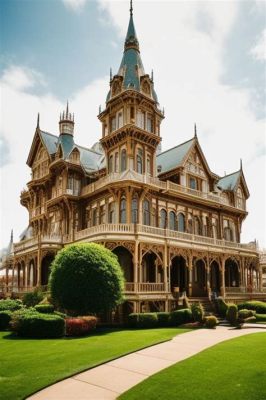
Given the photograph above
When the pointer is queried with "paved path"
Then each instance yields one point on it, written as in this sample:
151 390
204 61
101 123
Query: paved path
109 380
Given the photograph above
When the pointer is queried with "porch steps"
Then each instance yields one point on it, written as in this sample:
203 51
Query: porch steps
207 304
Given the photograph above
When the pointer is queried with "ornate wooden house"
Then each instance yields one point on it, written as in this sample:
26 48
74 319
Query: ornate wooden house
173 223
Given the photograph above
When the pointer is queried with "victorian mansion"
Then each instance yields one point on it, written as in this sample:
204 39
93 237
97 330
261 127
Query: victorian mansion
173 223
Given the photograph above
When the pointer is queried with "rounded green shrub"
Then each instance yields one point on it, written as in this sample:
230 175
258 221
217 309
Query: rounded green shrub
44 308
210 322
197 312
32 324
232 314
30 299
86 279
10 304
148 320
5 318
163 319
180 317
261 317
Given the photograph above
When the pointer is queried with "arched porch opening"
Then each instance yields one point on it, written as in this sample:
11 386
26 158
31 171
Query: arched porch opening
232 276
179 275
199 286
45 268
125 261
215 280
152 271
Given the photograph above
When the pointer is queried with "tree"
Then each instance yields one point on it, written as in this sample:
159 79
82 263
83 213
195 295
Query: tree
86 279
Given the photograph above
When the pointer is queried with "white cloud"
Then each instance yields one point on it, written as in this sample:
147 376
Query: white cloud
22 78
188 64
74 5
259 50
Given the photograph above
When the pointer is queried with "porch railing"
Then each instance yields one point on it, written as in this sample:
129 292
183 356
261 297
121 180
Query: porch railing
144 287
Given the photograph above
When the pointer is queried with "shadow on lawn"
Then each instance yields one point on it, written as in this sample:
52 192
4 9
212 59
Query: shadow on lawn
98 332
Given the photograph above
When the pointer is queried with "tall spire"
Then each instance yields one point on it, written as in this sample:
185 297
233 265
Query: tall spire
38 121
241 164
131 8
131 38
195 131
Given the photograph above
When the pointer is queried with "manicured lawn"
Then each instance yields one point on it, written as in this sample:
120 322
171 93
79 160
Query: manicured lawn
27 365
235 370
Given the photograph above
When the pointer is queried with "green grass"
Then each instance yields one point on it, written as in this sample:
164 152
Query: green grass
235 369
27 365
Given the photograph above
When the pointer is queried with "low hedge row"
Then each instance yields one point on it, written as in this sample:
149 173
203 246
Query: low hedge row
258 306
161 319
44 308
260 317
30 323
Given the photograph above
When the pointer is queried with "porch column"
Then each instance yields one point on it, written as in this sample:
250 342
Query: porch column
223 278
27 266
190 276
136 266
165 268
208 285
260 279
39 262
13 276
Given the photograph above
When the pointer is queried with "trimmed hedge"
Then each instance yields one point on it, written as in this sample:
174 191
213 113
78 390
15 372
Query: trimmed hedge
197 312
148 320
260 317
30 299
221 306
163 319
258 306
133 320
243 314
232 314
32 324
80 326
180 317
210 321
10 304
5 317
44 308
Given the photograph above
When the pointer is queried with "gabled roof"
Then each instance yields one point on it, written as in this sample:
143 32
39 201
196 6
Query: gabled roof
50 141
67 144
229 182
172 158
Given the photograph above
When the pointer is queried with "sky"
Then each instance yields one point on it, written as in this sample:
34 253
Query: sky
208 59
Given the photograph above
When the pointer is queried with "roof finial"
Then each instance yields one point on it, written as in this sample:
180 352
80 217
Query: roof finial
241 166
152 75
11 237
67 110
111 74
195 130
38 121
131 8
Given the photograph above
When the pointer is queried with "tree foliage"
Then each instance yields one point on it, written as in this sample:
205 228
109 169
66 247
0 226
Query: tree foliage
86 278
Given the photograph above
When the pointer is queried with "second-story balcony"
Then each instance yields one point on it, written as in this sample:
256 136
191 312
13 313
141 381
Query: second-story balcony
154 183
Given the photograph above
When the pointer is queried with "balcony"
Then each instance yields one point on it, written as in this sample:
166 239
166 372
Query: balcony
133 287
64 192
152 232
153 182
32 243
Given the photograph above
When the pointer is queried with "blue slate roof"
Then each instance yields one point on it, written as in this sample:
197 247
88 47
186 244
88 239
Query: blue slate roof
90 160
229 182
173 157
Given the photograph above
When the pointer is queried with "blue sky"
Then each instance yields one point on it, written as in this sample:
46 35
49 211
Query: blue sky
209 68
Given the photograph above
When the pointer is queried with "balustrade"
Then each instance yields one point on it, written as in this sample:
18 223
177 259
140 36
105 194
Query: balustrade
144 287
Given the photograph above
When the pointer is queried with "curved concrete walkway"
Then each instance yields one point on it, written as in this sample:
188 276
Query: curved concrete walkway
108 381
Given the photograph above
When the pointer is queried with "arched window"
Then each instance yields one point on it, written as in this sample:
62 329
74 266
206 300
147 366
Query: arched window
134 210
123 160
172 221
111 213
139 162
181 222
146 212
163 215
123 210
197 226
110 164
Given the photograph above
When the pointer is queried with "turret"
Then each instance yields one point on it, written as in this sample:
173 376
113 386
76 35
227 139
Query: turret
66 122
